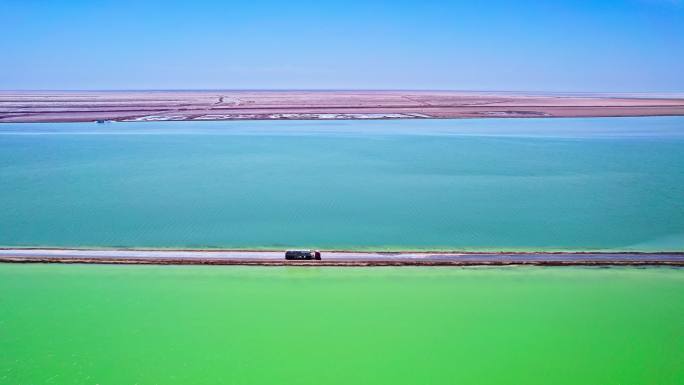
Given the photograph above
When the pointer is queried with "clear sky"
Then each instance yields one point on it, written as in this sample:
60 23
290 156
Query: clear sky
554 45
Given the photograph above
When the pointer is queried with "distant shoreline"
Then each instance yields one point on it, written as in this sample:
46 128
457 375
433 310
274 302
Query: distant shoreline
339 258
147 106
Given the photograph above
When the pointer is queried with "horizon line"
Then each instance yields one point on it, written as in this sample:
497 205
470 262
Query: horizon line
489 91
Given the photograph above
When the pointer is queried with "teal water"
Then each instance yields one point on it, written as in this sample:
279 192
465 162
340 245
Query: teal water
491 184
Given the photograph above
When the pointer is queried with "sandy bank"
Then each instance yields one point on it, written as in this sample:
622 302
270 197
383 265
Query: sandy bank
82 106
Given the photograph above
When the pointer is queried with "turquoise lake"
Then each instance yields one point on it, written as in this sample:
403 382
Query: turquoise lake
482 184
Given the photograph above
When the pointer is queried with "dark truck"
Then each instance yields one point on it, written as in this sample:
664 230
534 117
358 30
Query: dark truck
302 254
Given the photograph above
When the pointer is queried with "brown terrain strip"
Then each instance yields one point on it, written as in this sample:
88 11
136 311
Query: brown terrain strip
83 106
339 258
339 263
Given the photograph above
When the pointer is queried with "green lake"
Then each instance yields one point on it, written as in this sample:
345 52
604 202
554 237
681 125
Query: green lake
479 184
97 324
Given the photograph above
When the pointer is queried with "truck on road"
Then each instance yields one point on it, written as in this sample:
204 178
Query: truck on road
302 254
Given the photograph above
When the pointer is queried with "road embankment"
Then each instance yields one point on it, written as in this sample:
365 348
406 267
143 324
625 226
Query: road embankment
338 258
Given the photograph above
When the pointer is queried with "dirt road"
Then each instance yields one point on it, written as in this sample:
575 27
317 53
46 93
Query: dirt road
332 258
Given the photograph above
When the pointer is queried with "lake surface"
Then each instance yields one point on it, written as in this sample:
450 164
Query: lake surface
95 324
489 184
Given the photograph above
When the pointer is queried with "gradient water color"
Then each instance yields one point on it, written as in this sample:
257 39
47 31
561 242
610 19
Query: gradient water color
497 184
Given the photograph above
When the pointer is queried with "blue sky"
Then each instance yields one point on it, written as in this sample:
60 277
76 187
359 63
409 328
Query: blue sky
560 45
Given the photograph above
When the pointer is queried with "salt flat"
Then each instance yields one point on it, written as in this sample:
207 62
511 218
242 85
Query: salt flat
80 106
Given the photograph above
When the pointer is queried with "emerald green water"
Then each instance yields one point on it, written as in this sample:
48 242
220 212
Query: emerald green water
509 184
93 324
